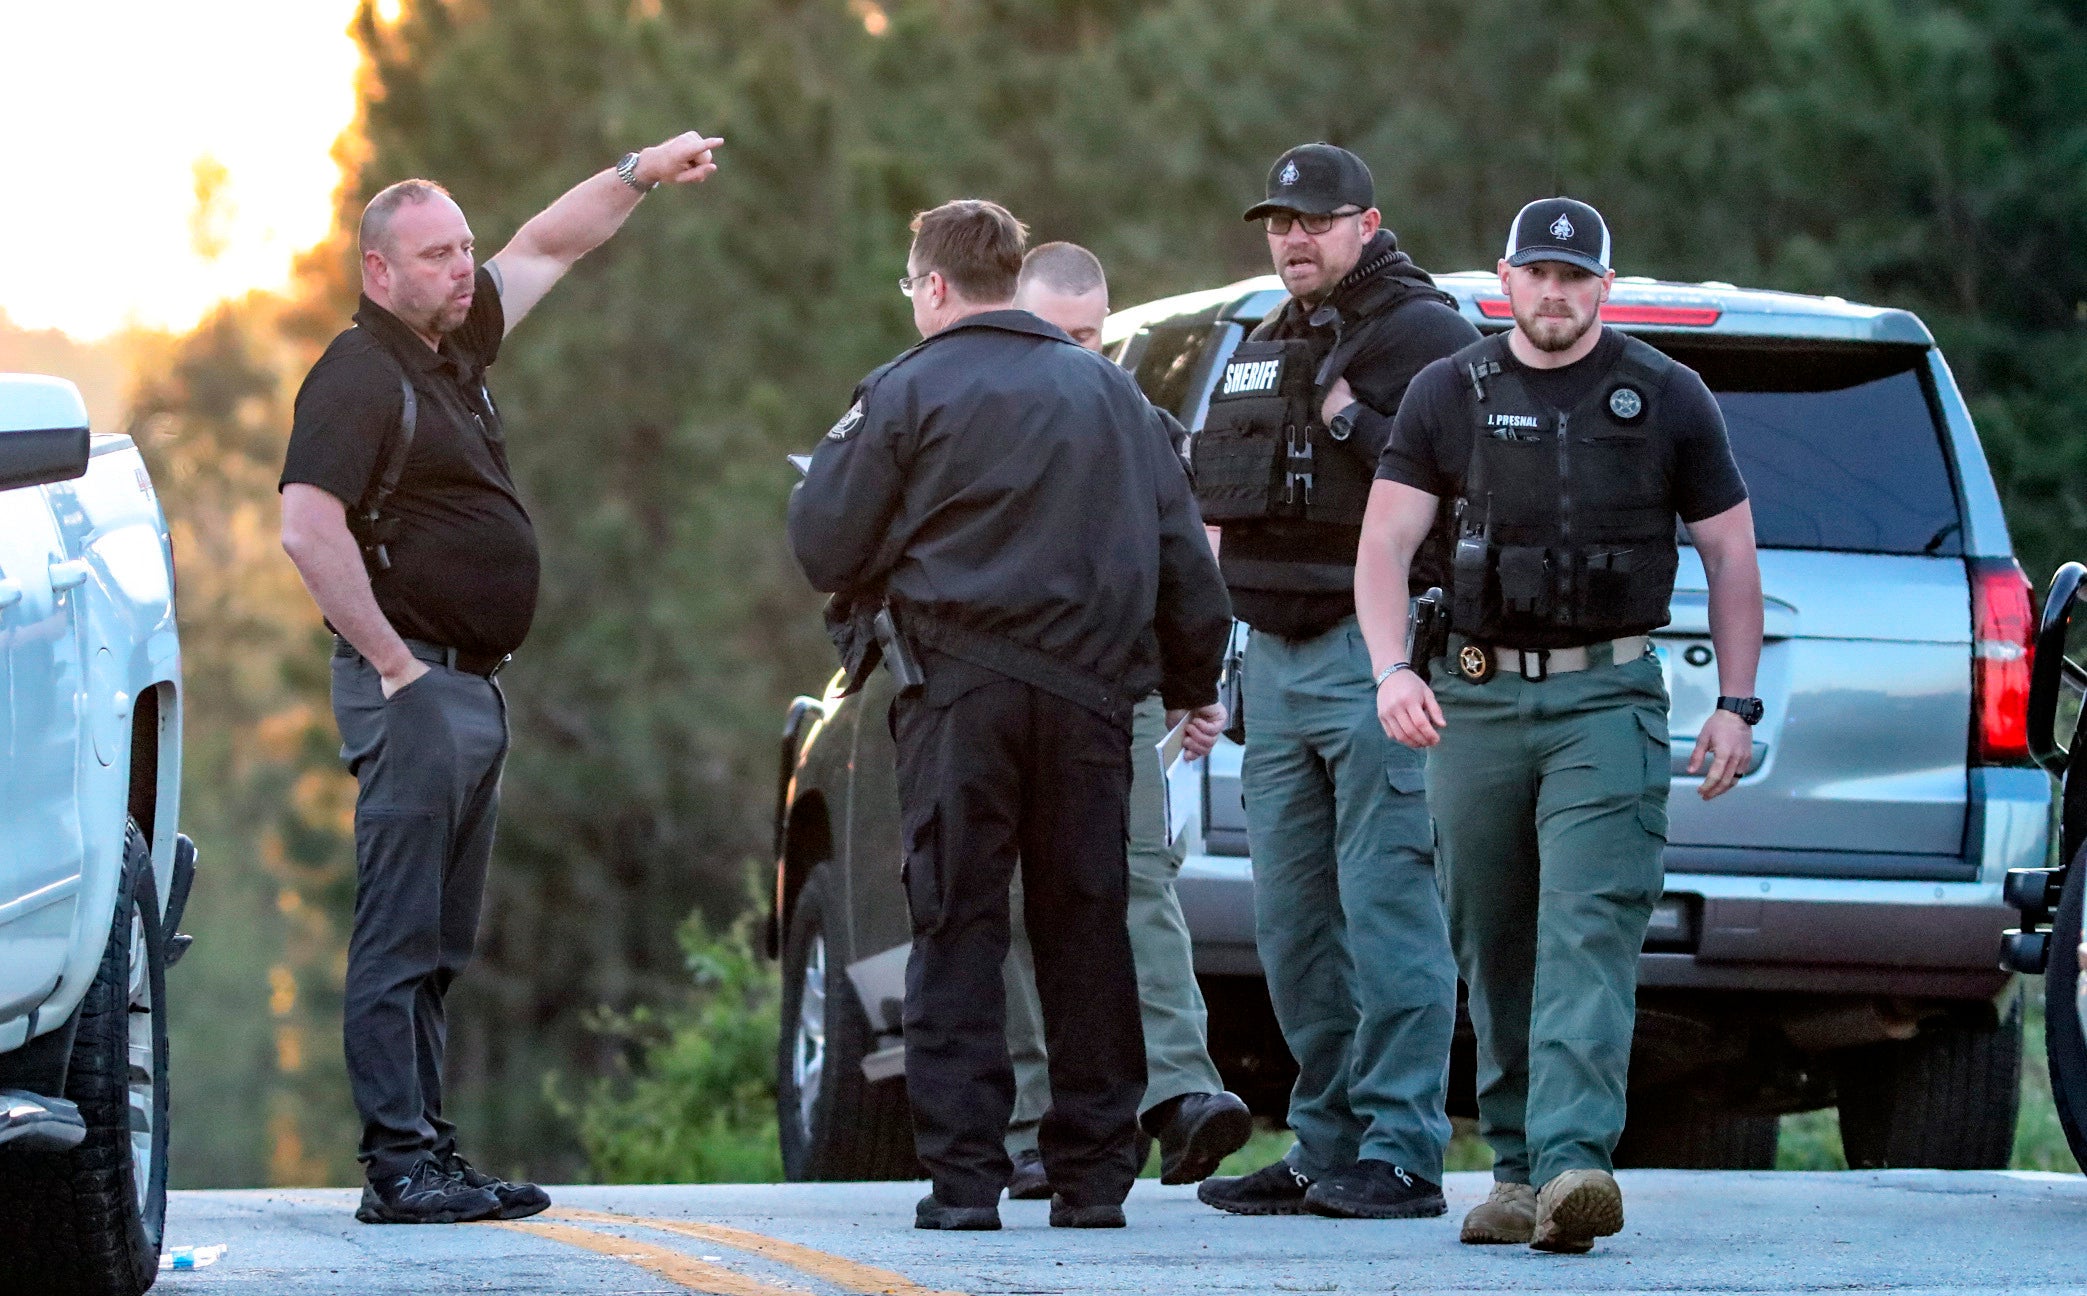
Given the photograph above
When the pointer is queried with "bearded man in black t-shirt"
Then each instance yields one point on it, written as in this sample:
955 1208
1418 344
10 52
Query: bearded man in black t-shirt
1557 457
402 517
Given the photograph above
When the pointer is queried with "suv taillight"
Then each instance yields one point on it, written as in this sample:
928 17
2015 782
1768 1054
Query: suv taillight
2003 630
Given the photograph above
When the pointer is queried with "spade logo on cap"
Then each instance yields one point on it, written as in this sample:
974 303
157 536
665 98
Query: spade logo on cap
1561 228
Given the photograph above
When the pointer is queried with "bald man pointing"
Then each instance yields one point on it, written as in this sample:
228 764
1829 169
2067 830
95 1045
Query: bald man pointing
403 519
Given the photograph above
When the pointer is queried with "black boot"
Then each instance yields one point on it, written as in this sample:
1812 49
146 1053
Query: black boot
933 1213
1099 1215
1195 1132
1375 1190
1030 1182
424 1195
517 1200
1272 1190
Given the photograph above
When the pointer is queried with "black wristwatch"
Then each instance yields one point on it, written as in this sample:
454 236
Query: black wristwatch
1747 709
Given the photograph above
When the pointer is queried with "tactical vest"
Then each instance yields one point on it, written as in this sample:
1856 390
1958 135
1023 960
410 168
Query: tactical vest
1564 534
1264 454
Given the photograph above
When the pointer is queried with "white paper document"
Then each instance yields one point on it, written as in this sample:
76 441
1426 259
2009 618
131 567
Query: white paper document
1180 781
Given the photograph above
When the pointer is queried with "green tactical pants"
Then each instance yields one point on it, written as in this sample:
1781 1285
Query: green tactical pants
1347 915
1176 1024
1550 804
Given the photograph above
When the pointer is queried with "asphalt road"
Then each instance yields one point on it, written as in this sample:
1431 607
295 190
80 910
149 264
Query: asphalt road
1897 1231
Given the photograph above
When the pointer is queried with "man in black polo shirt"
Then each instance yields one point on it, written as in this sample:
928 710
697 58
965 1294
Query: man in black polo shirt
404 521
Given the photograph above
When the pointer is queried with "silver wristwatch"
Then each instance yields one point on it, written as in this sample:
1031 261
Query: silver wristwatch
627 172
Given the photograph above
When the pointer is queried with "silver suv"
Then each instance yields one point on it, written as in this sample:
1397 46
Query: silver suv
1829 929
93 875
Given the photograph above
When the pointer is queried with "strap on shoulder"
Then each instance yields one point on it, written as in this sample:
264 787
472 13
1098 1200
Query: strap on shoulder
392 458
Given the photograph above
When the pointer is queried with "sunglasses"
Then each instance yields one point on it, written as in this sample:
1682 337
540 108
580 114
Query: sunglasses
1280 222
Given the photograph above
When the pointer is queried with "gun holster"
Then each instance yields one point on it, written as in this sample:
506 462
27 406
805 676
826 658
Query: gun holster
898 654
865 634
1231 691
1427 631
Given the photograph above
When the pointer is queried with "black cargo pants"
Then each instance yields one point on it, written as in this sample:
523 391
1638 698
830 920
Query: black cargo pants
427 764
992 772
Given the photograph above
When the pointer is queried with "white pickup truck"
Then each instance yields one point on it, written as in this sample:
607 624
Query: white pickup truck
93 875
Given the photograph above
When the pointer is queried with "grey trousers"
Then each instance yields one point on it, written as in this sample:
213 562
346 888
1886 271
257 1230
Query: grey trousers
1347 914
1170 1004
427 766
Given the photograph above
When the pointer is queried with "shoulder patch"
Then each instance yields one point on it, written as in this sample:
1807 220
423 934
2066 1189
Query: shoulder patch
850 421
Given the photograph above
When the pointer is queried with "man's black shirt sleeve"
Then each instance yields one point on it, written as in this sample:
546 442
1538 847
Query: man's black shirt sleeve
1381 373
480 334
1706 478
1417 453
348 405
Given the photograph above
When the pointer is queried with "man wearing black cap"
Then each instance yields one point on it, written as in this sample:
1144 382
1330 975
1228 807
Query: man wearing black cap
1567 450
1347 916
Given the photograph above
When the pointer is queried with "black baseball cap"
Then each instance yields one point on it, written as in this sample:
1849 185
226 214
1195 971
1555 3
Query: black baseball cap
1560 229
1315 179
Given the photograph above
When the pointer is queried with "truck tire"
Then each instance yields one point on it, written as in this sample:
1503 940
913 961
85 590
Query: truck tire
2063 1042
833 1123
88 1222
1944 1100
1666 1132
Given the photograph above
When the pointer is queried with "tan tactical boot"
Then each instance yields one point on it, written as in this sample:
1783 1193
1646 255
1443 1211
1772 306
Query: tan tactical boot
1576 1208
1508 1216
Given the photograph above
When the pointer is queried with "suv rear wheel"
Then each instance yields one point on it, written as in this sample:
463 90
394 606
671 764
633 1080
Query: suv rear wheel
2062 1036
89 1221
1944 1100
834 1123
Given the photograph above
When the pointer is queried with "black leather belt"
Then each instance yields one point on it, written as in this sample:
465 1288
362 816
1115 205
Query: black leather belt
486 665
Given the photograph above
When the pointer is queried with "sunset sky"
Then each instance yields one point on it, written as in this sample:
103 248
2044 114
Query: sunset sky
109 109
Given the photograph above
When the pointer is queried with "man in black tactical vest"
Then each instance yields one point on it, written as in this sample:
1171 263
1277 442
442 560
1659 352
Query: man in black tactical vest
1348 920
1566 451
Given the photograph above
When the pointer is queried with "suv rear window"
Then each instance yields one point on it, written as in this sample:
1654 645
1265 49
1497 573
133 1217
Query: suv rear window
1840 445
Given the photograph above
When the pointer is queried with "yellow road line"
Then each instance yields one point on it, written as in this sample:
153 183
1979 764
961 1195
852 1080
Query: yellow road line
838 1270
670 1264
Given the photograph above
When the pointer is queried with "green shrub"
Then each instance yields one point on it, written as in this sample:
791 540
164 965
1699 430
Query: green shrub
697 1102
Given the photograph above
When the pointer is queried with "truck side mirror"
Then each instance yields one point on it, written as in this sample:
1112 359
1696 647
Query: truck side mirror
43 431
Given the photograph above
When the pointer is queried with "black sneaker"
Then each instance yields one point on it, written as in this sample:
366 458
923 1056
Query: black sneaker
1375 1190
1272 1190
1099 1215
934 1213
517 1200
1030 1182
424 1195
1196 1132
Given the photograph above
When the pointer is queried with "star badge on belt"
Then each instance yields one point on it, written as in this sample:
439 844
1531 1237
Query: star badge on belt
1474 663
